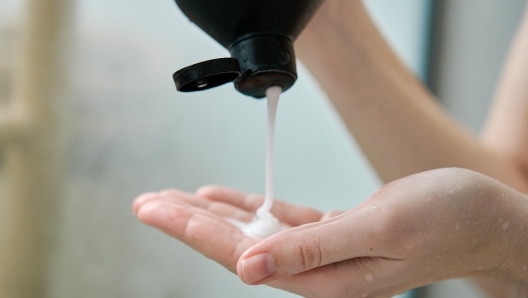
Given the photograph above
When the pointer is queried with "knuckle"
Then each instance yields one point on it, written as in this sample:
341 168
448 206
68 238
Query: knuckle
310 253
392 228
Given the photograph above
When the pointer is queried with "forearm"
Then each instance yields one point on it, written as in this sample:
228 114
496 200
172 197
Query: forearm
507 224
394 119
507 127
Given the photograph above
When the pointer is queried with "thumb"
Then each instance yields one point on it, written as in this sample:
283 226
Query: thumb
357 233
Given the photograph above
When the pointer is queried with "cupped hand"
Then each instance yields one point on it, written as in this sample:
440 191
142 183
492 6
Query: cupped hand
200 221
424 228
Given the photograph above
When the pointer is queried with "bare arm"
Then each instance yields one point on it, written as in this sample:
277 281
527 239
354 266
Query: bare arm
395 120
392 242
507 128
411 232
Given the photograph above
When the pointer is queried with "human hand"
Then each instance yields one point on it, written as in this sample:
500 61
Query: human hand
424 228
199 220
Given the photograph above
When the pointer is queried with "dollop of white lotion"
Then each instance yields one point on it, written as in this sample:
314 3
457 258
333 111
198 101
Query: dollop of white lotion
265 224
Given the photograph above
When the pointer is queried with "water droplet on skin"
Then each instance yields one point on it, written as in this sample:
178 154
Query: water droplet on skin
500 219
451 191
480 268
457 225
365 295
524 268
369 277
506 225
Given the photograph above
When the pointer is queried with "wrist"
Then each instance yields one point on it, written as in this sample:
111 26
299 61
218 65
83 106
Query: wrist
512 236
491 230
502 232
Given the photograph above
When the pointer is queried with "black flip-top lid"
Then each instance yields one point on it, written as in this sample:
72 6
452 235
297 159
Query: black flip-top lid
206 74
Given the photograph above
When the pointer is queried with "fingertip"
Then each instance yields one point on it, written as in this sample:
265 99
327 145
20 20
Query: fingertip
160 214
148 212
208 190
239 268
256 269
257 265
142 199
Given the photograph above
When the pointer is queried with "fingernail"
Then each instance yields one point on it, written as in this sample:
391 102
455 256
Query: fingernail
257 267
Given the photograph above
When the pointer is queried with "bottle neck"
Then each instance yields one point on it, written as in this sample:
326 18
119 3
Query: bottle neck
265 61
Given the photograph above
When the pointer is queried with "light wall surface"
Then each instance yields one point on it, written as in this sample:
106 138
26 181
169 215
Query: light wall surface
474 39
132 133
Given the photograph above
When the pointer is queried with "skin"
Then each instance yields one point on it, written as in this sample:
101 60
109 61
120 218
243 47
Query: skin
428 227
395 120
413 231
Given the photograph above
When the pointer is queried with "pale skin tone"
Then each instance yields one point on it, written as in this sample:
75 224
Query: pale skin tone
432 226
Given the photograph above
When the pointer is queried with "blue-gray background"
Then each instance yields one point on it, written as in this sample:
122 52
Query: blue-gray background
132 133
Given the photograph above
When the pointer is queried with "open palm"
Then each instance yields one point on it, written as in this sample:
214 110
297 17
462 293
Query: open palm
388 244
199 219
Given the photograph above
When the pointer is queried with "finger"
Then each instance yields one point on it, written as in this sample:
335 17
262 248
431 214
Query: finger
142 199
219 208
221 215
209 235
287 213
357 233
358 277
164 223
330 214
224 245
230 196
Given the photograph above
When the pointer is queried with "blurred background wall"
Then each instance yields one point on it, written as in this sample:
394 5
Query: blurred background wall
130 132
471 39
